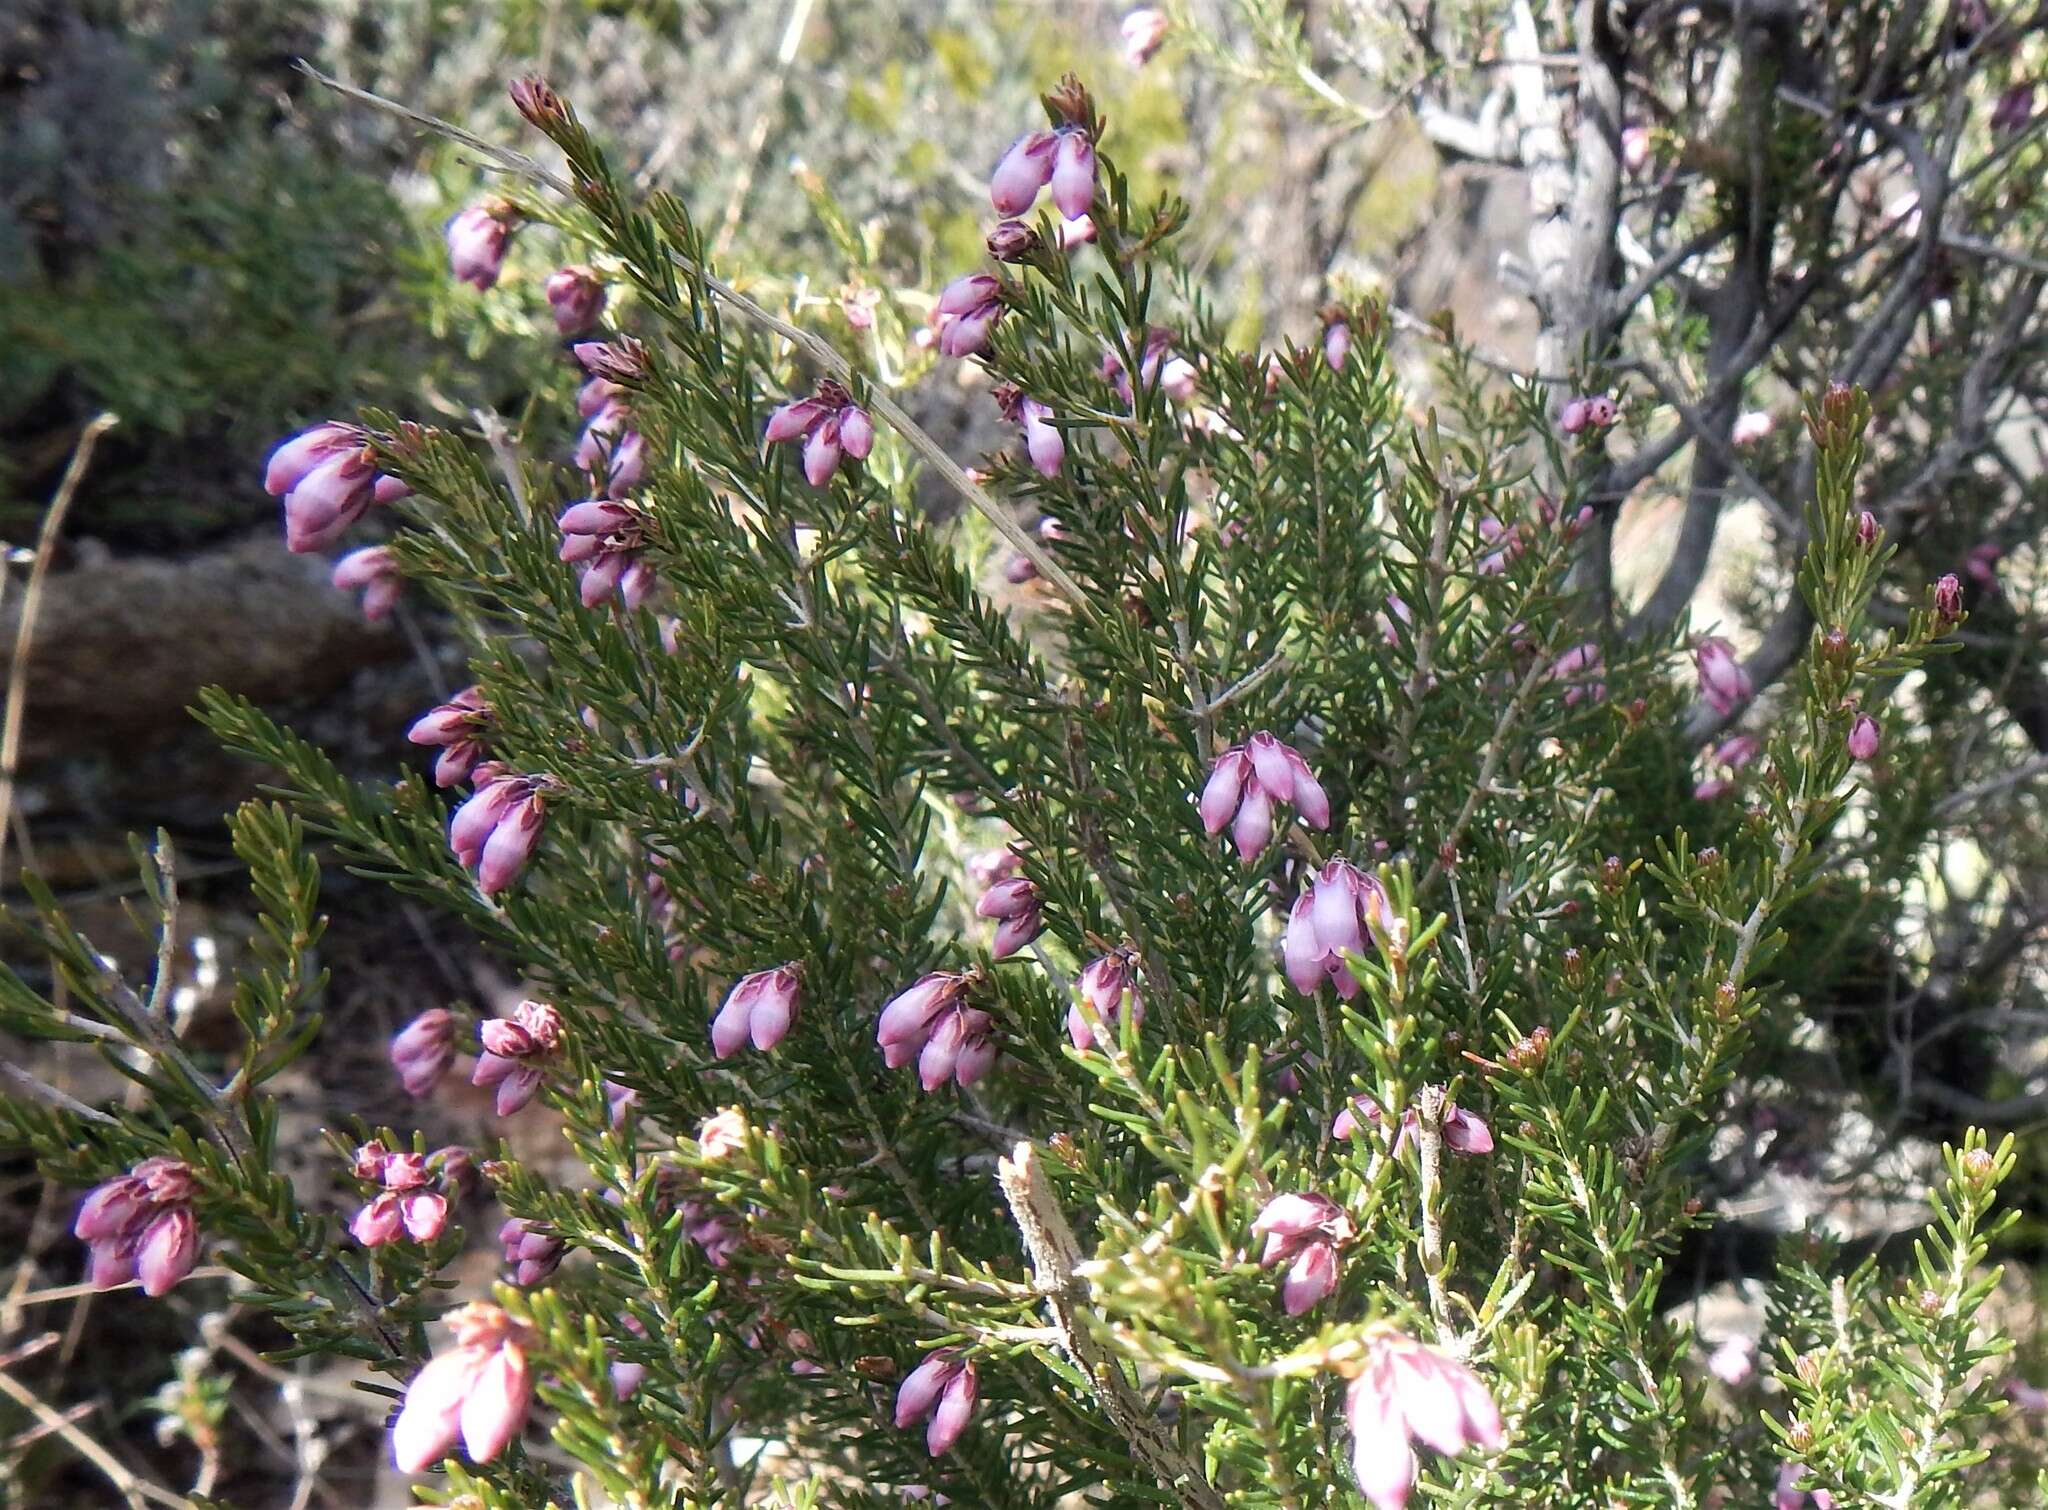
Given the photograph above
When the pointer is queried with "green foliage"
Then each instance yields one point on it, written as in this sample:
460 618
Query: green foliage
833 690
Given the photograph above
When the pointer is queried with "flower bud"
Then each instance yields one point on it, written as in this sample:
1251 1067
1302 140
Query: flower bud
423 1050
1142 31
534 98
1863 738
576 298
1013 241
621 360
1866 530
373 571
2015 108
479 1391
1948 601
477 238
531 1253
1635 146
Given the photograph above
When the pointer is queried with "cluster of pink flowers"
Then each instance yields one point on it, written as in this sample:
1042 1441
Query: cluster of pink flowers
940 1390
1329 921
477 241
373 572
1409 1393
1593 411
516 1052
1724 685
405 1204
1062 159
140 1226
930 1022
1104 983
1247 780
831 426
603 538
530 1252
967 311
496 831
457 727
1304 1232
327 478
1729 757
609 448
479 1391
1014 903
760 1006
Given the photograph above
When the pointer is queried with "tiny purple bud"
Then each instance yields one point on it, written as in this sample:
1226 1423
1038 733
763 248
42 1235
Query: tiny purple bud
477 239
1724 684
1143 30
423 1050
1336 343
1012 241
1863 738
576 298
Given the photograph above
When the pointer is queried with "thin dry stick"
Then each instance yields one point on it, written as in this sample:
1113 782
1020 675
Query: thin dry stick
934 455
31 601
132 1486
1054 1257
757 133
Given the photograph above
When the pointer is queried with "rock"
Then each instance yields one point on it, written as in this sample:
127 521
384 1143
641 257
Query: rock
123 646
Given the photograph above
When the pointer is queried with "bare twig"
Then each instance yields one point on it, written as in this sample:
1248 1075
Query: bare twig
31 603
1958 801
29 1085
1054 1257
767 100
130 1485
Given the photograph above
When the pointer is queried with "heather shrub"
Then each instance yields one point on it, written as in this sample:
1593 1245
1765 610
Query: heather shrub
1199 973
